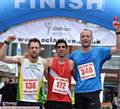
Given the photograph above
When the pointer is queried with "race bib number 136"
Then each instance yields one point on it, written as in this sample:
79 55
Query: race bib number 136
30 86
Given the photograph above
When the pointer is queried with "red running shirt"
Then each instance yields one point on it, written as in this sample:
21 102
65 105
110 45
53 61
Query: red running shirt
55 85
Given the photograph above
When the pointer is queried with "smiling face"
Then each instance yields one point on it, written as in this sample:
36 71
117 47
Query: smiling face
86 38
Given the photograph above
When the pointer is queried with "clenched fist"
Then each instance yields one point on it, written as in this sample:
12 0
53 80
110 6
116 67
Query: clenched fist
10 38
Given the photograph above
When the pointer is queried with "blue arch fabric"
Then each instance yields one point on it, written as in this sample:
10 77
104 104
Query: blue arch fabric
101 12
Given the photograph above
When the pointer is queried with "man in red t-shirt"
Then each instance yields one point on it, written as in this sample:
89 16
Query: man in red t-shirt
59 78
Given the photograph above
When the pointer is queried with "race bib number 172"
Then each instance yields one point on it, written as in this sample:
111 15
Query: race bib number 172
60 85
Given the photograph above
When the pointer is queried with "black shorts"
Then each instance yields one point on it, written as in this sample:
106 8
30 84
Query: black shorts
58 105
24 103
89 100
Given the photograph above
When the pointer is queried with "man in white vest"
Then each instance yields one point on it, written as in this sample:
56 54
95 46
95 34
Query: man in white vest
29 92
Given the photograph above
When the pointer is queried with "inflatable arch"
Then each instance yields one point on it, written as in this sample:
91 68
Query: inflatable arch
101 12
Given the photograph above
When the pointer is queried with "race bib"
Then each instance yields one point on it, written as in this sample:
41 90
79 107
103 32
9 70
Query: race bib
60 85
87 71
30 86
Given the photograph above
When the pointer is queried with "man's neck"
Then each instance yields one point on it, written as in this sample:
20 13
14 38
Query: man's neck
86 49
33 60
61 60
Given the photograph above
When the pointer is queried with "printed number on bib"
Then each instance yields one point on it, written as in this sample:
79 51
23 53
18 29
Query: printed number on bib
87 71
60 85
30 86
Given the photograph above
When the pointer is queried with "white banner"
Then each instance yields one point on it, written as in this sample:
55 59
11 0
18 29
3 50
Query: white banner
51 29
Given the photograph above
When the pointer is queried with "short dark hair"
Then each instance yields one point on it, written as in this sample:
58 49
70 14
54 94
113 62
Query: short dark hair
34 40
61 41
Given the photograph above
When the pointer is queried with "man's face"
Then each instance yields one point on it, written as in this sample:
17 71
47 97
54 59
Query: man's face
86 38
34 49
61 50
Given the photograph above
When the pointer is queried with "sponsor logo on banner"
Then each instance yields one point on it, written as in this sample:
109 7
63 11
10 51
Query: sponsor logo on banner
49 30
48 25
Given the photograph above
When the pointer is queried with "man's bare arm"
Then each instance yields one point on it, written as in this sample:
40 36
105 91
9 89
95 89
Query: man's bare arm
116 49
72 67
12 59
45 68
3 49
9 59
48 65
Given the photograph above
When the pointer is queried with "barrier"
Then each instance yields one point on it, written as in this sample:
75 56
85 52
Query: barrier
19 107
106 105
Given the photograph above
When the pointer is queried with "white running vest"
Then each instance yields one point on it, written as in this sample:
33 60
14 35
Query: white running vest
30 81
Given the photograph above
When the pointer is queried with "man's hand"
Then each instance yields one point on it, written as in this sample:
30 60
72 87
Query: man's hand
10 38
118 38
